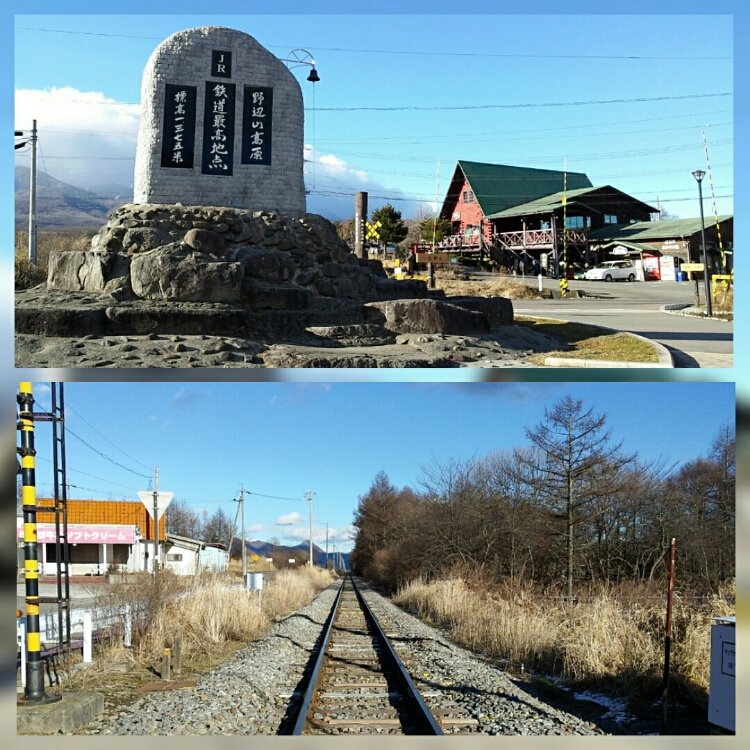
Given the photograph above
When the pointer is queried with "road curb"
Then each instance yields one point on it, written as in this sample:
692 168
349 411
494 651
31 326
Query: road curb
664 355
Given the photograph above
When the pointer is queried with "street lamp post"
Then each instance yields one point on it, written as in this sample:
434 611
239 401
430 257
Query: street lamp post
699 174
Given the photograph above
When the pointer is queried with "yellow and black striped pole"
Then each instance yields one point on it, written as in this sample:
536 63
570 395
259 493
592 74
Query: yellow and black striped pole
34 690
563 273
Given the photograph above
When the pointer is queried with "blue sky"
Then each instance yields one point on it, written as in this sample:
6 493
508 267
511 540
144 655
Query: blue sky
510 74
283 439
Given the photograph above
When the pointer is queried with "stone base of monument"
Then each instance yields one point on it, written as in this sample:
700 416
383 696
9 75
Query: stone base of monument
184 286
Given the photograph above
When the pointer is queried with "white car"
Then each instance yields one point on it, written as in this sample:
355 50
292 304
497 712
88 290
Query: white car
611 270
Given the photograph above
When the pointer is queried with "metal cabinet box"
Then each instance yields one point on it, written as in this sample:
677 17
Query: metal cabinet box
721 697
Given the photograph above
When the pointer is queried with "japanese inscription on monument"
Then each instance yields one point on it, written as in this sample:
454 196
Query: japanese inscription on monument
218 129
178 135
257 123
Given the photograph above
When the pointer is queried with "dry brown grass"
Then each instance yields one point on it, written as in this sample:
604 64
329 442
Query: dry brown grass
612 641
213 616
453 285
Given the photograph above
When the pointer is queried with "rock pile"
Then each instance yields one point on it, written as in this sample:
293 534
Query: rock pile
261 260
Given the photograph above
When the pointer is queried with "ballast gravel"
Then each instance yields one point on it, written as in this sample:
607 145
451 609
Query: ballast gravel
254 691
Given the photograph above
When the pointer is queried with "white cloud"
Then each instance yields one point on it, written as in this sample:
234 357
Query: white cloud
85 137
89 139
331 183
255 528
290 519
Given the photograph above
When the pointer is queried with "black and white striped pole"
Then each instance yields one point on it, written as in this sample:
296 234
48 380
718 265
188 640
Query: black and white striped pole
34 691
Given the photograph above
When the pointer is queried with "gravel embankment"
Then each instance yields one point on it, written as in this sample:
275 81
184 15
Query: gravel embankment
251 693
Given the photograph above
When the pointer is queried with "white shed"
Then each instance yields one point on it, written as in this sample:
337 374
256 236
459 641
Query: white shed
185 556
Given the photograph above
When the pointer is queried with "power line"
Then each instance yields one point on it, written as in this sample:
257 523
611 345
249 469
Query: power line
72 470
105 456
422 53
101 434
461 107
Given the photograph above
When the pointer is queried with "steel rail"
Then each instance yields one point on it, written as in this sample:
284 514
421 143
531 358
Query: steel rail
428 721
312 685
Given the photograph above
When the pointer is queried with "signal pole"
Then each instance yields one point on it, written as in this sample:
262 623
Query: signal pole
34 691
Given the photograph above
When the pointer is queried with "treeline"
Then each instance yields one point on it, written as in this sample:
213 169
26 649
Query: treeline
567 509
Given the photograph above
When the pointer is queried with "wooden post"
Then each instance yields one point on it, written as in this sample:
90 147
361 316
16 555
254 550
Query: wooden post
360 217
668 633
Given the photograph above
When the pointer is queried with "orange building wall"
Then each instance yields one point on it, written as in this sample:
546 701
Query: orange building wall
124 512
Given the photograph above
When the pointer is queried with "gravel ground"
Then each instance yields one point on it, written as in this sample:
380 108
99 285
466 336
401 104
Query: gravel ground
250 694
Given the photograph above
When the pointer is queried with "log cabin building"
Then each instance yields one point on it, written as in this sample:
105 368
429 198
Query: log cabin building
533 218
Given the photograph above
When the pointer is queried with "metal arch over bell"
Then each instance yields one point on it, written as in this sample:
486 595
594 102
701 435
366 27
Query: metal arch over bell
313 77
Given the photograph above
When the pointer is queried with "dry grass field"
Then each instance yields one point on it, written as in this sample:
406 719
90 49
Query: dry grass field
608 638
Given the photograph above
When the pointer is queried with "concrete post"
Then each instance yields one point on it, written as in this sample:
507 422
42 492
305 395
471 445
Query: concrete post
88 635
127 636
166 664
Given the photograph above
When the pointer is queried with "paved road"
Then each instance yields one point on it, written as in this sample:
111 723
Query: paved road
635 307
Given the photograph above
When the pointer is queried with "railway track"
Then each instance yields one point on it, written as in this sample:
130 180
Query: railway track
358 684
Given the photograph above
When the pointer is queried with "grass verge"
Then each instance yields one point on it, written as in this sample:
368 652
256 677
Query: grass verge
588 342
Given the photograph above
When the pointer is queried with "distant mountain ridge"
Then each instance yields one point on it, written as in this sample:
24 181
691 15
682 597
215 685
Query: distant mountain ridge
60 205
267 549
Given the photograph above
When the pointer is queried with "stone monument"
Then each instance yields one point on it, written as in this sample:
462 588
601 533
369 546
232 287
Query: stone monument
221 125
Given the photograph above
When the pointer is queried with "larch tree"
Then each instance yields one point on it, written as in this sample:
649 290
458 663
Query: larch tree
578 463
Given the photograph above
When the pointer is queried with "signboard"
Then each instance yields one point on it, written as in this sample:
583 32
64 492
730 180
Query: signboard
439 258
218 129
257 121
83 533
221 64
372 230
691 267
666 266
178 130
163 499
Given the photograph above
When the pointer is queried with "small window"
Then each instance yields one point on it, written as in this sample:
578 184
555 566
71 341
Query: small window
610 219
468 196
174 557
574 222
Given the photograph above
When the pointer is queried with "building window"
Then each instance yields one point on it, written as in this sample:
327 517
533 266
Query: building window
610 219
574 222
468 196
174 557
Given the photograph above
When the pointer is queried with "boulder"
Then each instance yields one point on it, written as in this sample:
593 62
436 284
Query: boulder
264 263
499 310
426 316
205 241
170 273
74 271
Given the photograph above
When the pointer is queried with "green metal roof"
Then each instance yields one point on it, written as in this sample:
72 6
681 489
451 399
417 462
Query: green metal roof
549 203
653 230
639 246
544 205
498 187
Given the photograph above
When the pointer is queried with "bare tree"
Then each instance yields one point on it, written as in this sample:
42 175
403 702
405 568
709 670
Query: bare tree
579 463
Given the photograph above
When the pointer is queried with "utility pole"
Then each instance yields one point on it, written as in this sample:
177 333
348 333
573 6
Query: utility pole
156 521
309 495
244 549
326 545
32 198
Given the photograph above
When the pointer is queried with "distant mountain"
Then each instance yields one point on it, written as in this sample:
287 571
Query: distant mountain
61 205
266 549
